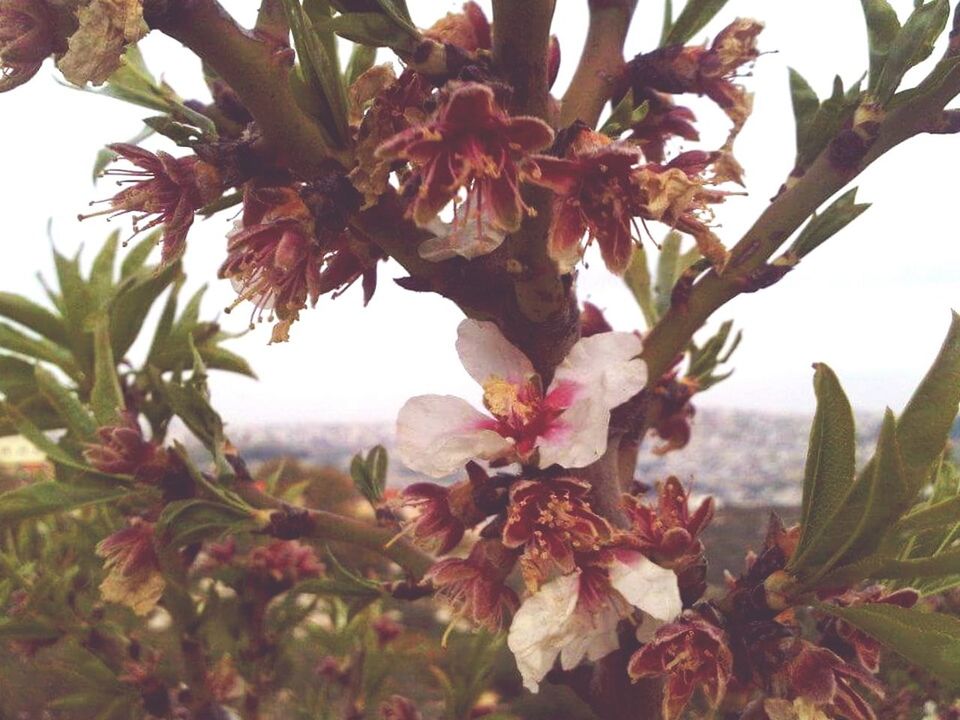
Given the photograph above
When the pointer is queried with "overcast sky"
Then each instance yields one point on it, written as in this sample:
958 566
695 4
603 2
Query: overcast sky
873 303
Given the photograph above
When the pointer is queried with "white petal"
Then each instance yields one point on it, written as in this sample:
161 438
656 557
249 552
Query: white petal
539 626
590 637
603 372
486 353
436 434
607 366
579 437
647 586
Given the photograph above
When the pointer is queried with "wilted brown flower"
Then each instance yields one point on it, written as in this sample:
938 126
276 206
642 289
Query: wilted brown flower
474 586
27 38
689 654
106 28
133 568
552 520
469 143
468 29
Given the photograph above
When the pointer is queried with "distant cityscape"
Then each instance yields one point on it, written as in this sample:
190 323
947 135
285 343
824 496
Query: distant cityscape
742 458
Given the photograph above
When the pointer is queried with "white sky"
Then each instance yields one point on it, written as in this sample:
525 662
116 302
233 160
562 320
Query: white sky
873 302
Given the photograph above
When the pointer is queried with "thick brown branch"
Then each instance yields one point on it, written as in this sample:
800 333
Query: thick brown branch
272 19
601 61
521 39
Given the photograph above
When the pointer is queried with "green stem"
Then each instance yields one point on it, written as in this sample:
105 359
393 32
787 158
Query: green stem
288 520
600 64
779 221
255 72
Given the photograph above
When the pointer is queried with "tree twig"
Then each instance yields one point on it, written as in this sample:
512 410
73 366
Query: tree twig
600 64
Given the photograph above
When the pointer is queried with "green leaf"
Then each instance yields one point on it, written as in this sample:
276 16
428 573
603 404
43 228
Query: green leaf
805 106
912 45
17 379
928 640
44 498
624 116
822 227
319 72
705 360
106 398
883 26
137 256
693 18
928 417
370 474
78 305
32 316
667 22
133 301
32 433
188 521
373 29
135 84
377 465
882 490
830 466
38 348
945 512
858 525
668 270
637 278
829 119
101 273
362 58
75 415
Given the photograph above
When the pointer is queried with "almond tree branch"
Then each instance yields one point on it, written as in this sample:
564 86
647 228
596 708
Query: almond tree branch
289 522
521 40
829 174
601 61
272 19
252 68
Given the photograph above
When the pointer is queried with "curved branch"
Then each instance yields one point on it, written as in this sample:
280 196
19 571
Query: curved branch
254 69
288 522
600 64
784 216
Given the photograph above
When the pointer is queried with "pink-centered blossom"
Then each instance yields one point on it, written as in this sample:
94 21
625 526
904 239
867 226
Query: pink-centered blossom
565 424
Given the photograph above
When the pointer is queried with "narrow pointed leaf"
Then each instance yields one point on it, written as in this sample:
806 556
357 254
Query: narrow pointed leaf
912 45
927 640
883 26
692 19
43 498
928 417
830 466
106 398
35 317
75 416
